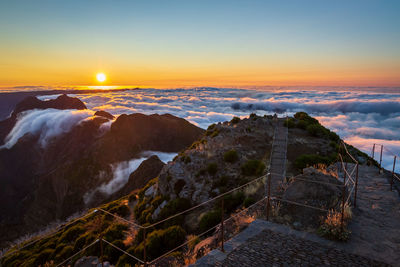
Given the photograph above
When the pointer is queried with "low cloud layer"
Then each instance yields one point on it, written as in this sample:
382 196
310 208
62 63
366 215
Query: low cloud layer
122 170
46 123
362 115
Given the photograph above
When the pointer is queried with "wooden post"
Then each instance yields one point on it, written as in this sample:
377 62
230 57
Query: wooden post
268 194
101 250
144 247
373 151
380 161
356 186
222 225
394 166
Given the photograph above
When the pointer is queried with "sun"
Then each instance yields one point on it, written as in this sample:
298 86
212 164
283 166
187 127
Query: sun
101 77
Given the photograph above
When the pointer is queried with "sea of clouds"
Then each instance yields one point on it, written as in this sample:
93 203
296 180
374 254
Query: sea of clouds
361 116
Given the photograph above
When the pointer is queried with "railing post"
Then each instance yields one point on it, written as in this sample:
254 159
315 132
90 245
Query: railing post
222 225
101 250
356 186
394 166
268 194
373 151
144 247
343 200
380 160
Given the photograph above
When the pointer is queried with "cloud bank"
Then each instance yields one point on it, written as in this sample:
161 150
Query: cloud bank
366 115
46 123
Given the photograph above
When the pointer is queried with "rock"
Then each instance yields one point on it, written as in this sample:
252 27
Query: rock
159 208
91 261
49 183
104 114
325 196
149 192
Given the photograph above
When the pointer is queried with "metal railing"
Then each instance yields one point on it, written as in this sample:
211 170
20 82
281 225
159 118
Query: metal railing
261 207
394 176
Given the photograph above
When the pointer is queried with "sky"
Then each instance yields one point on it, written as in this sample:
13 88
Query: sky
200 43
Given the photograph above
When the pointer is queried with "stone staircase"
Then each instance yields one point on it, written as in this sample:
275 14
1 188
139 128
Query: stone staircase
277 166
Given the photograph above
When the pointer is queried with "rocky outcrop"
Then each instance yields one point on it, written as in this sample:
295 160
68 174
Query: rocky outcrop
203 170
147 170
41 184
105 114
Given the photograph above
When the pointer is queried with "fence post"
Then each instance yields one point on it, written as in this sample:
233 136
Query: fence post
394 166
356 186
222 225
373 151
268 194
380 160
144 247
101 250
343 200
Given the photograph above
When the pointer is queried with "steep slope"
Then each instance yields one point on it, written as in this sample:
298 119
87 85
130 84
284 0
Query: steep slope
42 183
229 154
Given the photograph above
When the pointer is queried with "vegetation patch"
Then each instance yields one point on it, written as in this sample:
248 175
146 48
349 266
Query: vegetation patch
235 120
253 167
210 219
212 168
231 156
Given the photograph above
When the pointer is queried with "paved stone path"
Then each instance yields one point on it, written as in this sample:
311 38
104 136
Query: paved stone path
270 248
278 155
375 238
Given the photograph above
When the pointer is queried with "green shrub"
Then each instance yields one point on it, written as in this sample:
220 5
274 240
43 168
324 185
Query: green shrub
71 234
161 241
232 201
111 254
235 120
317 130
303 116
231 156
221 181
43 256
125 260
248 202
115 232
302 124
121 210
334 137
66 252
307 160
253 167
253 116
215 133
289 123
211 127
173 207
210 219
212 168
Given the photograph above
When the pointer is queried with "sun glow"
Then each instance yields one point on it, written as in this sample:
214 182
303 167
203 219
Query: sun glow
101 77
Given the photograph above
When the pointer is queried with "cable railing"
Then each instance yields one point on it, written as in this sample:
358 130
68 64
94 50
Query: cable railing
261 208
383 148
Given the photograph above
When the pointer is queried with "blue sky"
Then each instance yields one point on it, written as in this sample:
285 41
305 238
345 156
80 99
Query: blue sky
208 40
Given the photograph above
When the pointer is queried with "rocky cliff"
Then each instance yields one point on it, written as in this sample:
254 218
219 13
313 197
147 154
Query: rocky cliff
40 184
